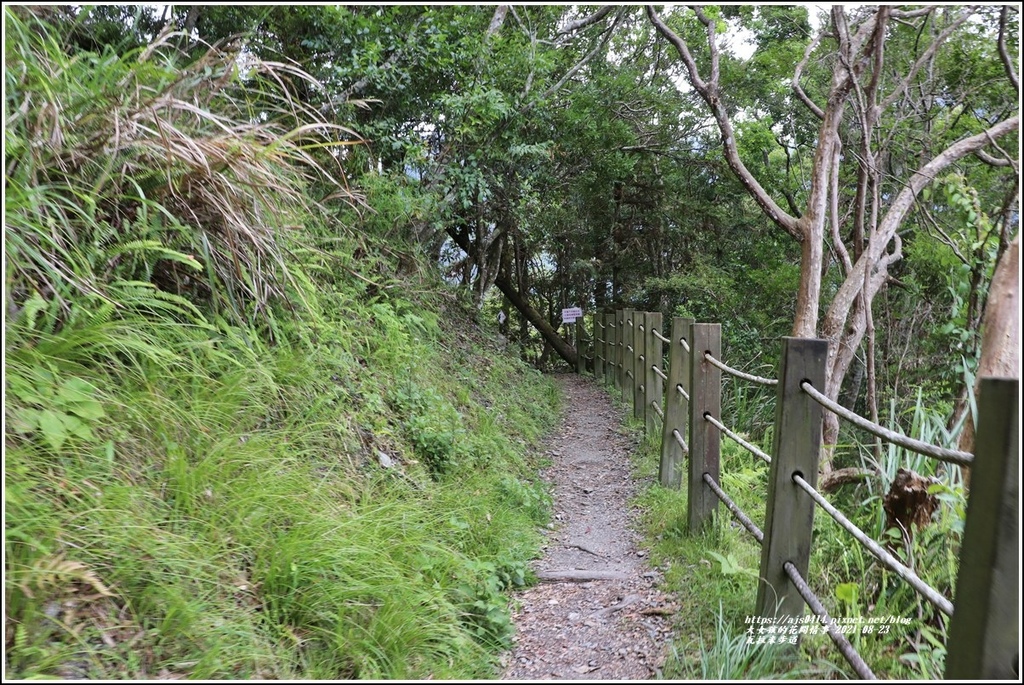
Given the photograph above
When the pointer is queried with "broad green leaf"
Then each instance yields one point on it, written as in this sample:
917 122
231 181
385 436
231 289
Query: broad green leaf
52 426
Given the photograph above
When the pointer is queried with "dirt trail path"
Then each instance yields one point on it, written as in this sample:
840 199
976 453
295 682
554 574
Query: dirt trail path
612 628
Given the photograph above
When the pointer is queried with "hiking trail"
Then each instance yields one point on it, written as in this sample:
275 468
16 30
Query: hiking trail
596 614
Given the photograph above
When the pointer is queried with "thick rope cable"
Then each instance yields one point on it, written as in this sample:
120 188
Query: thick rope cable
682 392
686 345
904 572
659 372
847 650
736 511
739 374
679 439
750 448
660 337
927 449
657 409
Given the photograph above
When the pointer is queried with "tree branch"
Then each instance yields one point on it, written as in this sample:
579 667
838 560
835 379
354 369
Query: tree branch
579 65
838 312
925 57
990 160
1003 54
797 88
585 21
708 90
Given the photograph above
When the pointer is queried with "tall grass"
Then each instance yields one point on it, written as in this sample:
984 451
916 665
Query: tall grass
201 381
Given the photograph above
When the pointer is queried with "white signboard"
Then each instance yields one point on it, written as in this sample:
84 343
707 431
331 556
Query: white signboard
570 314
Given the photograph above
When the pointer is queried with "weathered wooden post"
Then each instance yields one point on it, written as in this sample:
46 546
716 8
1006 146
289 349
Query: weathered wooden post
789 516
705 442
639 354
670 471
655 388
985 628
611 348
627 355
599 345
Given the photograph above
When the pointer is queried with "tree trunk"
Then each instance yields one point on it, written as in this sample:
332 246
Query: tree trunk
1000 332
564 350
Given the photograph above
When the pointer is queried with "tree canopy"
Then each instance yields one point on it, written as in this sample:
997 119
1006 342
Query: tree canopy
843 172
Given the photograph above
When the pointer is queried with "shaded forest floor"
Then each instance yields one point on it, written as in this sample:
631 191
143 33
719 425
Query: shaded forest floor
597 612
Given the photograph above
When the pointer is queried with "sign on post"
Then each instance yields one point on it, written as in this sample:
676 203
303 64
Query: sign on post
570 314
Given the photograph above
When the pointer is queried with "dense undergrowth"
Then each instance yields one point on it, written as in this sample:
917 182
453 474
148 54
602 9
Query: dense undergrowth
245 436
715 574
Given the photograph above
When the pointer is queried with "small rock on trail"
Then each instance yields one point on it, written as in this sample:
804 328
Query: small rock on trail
596 614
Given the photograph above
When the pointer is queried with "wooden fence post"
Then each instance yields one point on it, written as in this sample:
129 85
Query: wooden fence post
639 352
705 442
670 470
599 345
789 515
655 388
627 355
984 629
611 348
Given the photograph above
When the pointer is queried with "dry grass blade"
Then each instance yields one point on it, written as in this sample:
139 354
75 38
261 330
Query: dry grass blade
222 147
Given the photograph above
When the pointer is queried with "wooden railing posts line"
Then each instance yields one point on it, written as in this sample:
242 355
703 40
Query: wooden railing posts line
789 515
638 366
704 439
627 349
598 347
985 626
655 388
670 470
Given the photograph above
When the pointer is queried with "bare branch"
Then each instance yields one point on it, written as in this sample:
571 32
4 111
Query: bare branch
873 257
684 51
579 65
911 14
837 239
990 160
708 90
497 21
797 88
1007 62
925 57
586 21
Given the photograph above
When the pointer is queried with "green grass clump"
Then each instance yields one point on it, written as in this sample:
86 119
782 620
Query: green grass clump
239 443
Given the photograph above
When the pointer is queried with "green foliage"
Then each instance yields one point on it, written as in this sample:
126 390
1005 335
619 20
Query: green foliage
296 461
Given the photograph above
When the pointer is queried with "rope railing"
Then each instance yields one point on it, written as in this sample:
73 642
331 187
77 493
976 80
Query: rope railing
753 449
691 407
736 511
679 439
927 449
904 572
847 650
657 409
740 374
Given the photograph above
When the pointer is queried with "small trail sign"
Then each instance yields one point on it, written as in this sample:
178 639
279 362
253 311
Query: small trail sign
570 314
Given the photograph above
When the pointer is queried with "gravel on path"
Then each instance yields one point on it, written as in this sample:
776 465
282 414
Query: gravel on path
597 613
